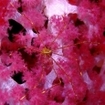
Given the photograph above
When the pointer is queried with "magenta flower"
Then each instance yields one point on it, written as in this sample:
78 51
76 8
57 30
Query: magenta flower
52 61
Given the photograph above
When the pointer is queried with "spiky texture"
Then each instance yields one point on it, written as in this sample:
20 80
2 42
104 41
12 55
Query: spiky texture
60 67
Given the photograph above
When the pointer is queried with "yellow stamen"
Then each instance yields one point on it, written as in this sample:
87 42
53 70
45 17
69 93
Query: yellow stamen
22 97
46 51
43 91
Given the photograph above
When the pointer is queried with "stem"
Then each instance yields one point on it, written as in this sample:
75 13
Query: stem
58 35
70 81
32 24
71 45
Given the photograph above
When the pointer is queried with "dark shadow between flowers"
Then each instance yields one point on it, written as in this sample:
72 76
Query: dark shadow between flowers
30 60
15 28
58 97
18 77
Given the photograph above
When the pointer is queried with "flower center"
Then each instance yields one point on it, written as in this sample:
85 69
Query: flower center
46 51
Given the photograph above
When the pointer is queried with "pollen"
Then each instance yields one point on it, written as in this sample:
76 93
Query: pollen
46 51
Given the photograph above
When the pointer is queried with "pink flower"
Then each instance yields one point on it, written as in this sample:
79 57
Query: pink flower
61 64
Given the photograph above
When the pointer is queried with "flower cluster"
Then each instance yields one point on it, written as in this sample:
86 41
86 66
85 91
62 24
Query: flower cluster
56 61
